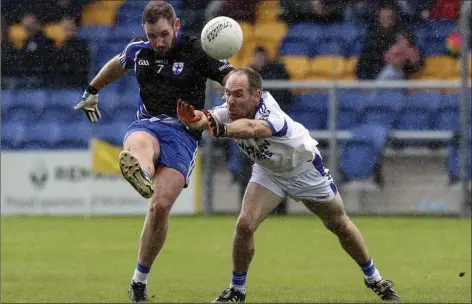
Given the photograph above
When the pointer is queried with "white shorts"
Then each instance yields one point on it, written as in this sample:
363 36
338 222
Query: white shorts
314 184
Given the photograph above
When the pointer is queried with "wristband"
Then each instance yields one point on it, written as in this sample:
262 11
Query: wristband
91 90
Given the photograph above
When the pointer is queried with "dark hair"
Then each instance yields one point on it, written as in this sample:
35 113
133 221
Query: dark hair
253 78
155 10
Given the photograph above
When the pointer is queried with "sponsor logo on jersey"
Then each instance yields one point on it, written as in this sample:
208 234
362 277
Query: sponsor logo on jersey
143 62
177 68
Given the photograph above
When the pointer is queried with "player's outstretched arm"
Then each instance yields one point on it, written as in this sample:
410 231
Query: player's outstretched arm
194 119
248 128
240 129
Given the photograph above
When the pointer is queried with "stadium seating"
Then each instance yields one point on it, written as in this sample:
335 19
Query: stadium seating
311 110
382 107
362 152
351 105
297 66
24 105
13 135
309 51
448 112
418 111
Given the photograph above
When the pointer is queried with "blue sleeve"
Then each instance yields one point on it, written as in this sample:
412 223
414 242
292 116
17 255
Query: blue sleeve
128 56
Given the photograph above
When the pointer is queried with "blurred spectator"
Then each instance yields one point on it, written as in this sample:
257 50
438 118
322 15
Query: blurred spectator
72 60
239 10
408 11
35 58
402 56
378 41
295 11
46 10
272 70
9 55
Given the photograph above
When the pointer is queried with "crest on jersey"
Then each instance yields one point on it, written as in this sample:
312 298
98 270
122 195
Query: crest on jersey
177 68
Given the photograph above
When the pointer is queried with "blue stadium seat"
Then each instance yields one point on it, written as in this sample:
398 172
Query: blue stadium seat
418 111
8 97
433 47
26 106
93 33
119 107
382 107
308 33
8 102
106 50
61 105
75 135
307 119
291 47
448 116
13 135
431 36
128 31
113 133
350 105
43 135
361 153
348 36
440 29
311 110
331 47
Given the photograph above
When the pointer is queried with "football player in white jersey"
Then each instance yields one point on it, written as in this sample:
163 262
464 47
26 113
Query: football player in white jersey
287 161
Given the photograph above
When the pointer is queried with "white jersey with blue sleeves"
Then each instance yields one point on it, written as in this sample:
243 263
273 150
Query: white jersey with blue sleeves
289 150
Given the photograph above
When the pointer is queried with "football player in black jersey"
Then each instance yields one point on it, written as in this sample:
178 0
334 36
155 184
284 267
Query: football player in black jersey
159 150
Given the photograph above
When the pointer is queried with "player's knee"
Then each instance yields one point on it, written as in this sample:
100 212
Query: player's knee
245 225
160 207
338 224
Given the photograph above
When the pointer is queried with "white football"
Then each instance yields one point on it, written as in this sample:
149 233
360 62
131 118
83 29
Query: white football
222 38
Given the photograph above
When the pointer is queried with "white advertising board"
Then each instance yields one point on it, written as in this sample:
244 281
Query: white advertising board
61 183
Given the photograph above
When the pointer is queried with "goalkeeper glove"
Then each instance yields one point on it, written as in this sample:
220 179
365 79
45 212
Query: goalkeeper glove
186 112
89 104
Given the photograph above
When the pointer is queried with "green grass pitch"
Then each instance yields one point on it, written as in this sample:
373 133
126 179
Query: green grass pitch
92 259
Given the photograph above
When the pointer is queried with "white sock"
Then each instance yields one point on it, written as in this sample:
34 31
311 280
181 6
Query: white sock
373 277
140 277
238 288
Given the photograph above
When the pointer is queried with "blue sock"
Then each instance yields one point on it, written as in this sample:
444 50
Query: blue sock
141 273
370 272
238 281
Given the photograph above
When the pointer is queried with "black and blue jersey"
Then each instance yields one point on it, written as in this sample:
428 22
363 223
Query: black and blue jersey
163 79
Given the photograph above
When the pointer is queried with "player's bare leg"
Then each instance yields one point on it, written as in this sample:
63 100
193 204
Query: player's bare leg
168 183
137 161
258 202
334 218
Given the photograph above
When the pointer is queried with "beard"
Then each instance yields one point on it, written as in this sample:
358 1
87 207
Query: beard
167 50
